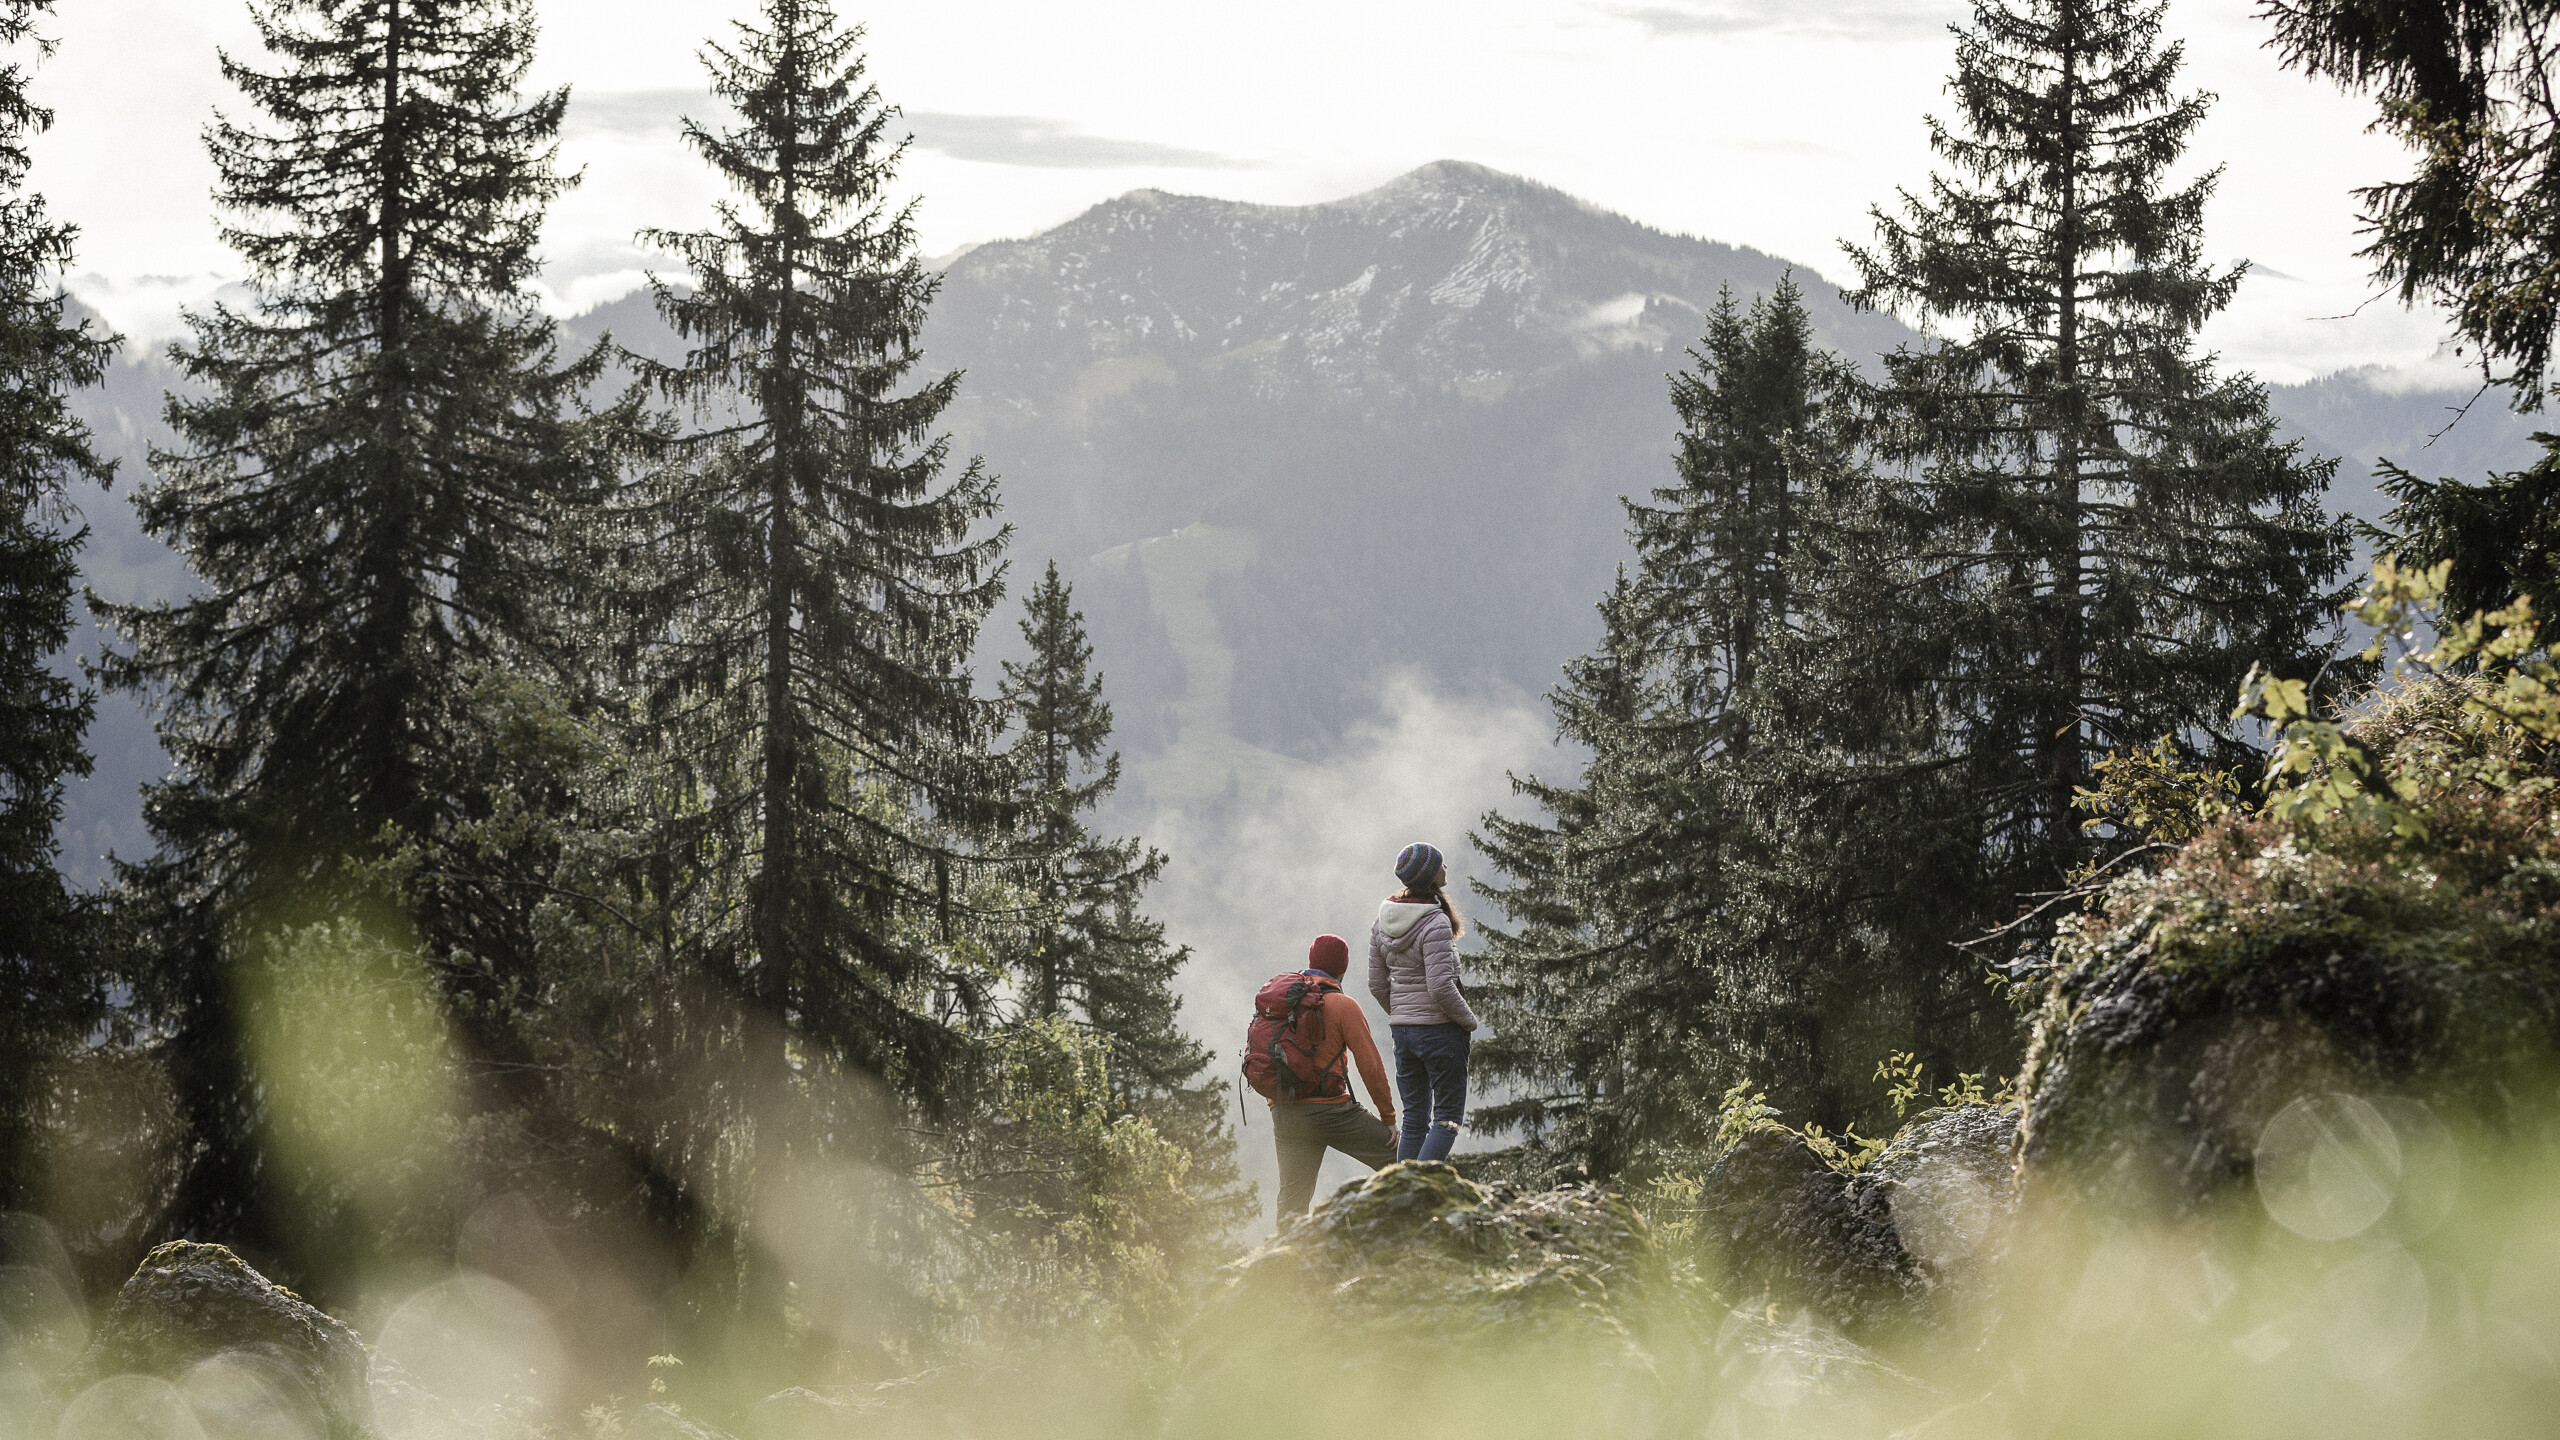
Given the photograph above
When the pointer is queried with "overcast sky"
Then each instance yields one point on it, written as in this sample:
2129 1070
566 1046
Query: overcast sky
1737 120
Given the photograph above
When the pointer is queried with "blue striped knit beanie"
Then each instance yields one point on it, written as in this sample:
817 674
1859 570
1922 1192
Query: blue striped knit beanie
1417 863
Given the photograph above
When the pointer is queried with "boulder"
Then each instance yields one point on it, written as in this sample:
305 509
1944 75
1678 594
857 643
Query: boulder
1421 1290
1872 1253
1418 1244
1502 1310
1948 1185
1791 1233
248 1357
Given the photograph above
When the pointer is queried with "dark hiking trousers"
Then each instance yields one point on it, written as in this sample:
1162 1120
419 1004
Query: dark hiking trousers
1431 1078
1304 1131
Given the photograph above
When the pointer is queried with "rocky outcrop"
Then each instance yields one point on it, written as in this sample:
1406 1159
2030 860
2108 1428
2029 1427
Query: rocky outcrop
1496 1308
196 1326
1423 1291
1418 1243
2257 969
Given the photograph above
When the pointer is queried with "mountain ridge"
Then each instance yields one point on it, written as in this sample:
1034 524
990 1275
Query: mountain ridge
1300 459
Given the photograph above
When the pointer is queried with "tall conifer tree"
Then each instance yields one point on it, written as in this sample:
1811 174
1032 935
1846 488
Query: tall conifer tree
2104 534
364 486
47 971
1089 950
1653 901
824 582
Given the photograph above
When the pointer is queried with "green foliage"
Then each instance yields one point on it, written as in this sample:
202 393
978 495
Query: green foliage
2154 796
2501 535
1902 1073
1094 1216
365 1116
1744 1112
2478 711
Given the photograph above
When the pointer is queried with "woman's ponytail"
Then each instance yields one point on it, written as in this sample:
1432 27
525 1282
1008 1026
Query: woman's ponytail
1457 927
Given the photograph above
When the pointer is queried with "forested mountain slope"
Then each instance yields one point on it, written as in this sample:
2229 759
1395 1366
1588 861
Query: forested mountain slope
1288 453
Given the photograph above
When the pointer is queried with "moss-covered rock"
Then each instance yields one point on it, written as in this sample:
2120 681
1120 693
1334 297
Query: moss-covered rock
2269 959
1420 1289
1794 1234
1418 1244
248 1357
1874 1252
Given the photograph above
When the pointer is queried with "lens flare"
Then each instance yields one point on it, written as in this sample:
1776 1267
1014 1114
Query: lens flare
245 1395
130 1407
479 1346
2328 1166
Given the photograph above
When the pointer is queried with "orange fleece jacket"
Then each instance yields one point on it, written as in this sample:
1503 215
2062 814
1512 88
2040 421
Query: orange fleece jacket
1346 1025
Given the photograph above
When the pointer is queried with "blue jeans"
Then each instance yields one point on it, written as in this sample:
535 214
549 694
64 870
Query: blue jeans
1431 1079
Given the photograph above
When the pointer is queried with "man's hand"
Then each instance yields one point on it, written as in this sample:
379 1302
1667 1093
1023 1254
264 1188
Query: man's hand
1387 1118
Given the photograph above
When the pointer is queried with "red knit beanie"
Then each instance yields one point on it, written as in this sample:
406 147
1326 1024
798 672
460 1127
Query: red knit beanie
1330 954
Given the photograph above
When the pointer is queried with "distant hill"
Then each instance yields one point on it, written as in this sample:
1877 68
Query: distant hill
2363 416
1295 457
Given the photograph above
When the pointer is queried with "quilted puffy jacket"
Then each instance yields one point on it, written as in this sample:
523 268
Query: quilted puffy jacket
1413 968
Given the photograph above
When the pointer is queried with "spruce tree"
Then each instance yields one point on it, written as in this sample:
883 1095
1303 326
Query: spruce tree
371 460
49 979
824 583
2099 535
1648 902
1088 950
1558 982
1089 955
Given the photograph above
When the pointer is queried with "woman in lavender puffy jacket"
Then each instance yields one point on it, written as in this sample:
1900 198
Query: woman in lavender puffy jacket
1413 970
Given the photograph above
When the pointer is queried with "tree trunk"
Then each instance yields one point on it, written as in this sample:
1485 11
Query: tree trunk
393 642
2060 741
778 884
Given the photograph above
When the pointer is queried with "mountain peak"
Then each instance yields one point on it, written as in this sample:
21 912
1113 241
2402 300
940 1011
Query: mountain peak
1437 182
1457 178
1451 279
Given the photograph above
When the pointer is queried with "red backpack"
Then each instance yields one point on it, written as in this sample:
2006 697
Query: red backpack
1280 1045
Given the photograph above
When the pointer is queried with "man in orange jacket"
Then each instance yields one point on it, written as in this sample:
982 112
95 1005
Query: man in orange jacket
1304 1129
